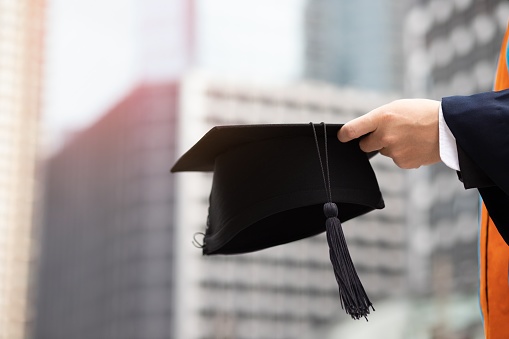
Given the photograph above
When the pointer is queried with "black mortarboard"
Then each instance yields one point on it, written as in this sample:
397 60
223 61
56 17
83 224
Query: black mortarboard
272 185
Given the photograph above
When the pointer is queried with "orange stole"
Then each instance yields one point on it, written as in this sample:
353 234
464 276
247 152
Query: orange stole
494 252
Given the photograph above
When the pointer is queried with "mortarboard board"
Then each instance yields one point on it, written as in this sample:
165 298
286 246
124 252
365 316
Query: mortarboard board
272 185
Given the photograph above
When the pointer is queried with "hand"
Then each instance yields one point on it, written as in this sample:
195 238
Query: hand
404 130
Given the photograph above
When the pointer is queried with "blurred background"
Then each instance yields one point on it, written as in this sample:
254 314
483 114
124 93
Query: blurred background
98 98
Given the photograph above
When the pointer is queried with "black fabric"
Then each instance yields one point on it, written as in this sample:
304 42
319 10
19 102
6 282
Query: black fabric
480 124
497 203
472 176
268 187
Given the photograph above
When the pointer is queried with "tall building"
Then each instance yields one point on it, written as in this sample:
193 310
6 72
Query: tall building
455 43
354 43
107 252
107 236
451 47
287 291
21 51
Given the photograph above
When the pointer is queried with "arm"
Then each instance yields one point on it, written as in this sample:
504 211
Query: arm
480 124
407 131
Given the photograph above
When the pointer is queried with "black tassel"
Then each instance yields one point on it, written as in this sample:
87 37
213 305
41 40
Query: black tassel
353 297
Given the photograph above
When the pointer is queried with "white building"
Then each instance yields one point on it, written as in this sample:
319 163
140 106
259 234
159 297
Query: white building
287 291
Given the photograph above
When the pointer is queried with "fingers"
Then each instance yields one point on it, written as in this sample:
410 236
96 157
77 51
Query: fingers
404 130
371 142
365 127
358 127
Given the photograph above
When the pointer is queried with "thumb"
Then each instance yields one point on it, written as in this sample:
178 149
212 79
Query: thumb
358 127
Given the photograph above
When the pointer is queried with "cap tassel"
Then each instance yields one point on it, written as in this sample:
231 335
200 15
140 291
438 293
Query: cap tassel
352 295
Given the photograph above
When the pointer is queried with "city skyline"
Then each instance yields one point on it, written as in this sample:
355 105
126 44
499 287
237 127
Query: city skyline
112 172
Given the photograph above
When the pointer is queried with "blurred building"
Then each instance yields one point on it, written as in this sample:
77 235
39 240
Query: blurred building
354 43
287 291
116 254
451 47
107 252
21 51
107 242
454 44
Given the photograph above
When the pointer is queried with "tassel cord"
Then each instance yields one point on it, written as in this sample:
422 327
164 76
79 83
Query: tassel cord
353 297
327 187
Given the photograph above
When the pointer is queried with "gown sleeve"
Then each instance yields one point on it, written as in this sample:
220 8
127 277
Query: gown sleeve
480 124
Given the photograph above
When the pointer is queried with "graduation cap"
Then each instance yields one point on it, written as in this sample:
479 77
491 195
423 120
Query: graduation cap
272 184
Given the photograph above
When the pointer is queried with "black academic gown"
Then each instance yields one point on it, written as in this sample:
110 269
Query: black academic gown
480 124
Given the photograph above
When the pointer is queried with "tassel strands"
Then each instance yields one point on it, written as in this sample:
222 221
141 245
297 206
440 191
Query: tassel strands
353 297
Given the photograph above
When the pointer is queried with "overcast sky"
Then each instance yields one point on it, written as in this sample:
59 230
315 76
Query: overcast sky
92 51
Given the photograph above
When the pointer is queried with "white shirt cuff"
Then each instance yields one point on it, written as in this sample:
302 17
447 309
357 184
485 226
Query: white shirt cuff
447 143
